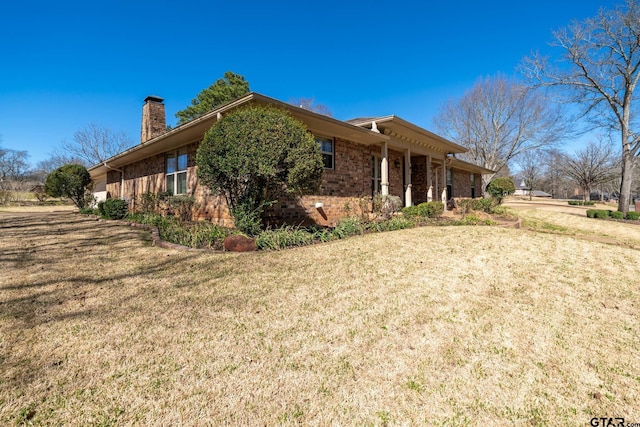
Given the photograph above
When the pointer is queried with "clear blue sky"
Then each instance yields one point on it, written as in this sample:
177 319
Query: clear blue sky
69 63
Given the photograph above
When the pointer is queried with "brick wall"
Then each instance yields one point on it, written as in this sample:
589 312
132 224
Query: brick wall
419 182
341 189
461 183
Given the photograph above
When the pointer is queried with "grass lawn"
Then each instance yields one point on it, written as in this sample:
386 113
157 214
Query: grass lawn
428 326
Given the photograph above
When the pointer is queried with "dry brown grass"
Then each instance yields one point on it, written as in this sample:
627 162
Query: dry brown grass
435 326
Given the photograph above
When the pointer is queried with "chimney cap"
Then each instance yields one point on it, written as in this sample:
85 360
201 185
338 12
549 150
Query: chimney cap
153 98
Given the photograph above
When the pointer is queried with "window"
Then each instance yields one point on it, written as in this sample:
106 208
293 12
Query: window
326 148
449 183
473 186
176 172
376 168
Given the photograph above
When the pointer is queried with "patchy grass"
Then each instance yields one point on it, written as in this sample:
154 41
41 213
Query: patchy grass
432 325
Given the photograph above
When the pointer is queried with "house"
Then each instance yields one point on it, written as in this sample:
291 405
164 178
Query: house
362 157
524 190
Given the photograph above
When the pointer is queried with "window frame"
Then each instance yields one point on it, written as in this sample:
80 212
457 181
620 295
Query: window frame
331 154
376 175
177 173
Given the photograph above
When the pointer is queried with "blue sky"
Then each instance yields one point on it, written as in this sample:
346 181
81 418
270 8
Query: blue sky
66 64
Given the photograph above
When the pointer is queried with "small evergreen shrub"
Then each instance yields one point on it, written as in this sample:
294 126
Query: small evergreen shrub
88 211
602 214
115 208
411 211
591 213
432 209
581 203
617 215
101 211
633 216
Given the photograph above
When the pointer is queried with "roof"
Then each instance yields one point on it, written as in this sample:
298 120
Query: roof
399 133
406 131
461 164
193 131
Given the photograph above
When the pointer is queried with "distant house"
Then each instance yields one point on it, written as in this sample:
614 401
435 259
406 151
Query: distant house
362 157
523 190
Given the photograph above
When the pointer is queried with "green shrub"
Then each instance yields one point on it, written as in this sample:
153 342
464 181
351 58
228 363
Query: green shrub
182 207
501 187
101 211
70 181
411 211
247 219
424 210
349 226
581 203
602 214
472 219
617 215
633 216
395 223
115 208
284 237
88 211
484 204
255 155
148 202
591 213
431 209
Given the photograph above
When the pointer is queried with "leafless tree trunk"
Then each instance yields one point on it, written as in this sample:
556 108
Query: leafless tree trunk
604 57
498 119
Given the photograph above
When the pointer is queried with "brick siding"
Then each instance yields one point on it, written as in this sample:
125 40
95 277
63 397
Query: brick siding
342 189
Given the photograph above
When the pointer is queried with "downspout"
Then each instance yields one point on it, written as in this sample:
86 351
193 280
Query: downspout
121 178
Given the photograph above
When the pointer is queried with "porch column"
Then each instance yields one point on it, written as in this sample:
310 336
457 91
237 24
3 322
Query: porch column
429 180
384 173
407 177
437 174
444 180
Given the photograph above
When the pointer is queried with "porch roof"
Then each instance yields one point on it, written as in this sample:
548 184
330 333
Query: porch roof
403 130
469 167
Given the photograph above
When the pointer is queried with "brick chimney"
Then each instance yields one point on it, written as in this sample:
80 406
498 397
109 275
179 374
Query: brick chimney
154 122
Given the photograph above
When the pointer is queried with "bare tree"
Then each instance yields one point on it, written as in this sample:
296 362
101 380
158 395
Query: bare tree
499 119
602 58
532 165
14 169
593 165
311 105
93 144
554 180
